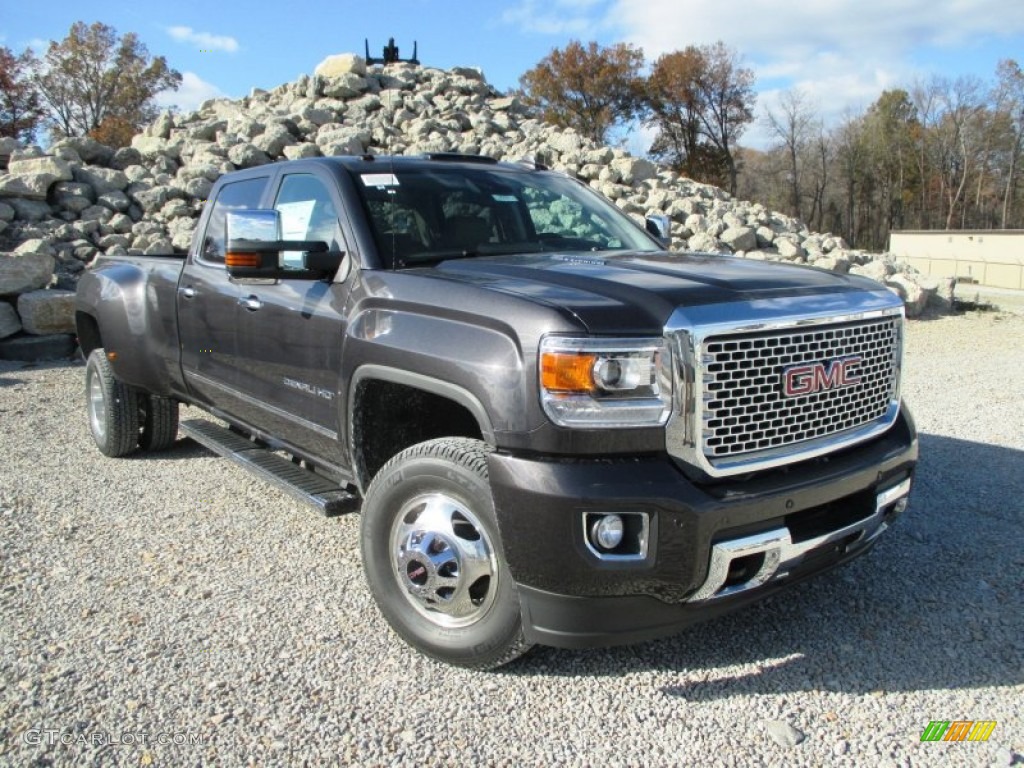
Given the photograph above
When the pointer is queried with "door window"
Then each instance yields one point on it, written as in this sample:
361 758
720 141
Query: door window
234 196
307 213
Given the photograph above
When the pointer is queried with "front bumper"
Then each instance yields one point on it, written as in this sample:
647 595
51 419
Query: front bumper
709 549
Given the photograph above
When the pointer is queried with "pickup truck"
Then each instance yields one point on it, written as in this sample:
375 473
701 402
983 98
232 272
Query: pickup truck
556 431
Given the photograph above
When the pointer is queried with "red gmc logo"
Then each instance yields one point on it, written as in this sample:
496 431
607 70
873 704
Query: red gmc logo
815 377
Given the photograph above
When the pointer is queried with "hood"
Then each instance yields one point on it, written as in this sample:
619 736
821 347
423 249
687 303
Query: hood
634 293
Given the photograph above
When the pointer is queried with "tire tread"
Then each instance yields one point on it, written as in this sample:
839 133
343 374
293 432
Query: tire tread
160 425
122 408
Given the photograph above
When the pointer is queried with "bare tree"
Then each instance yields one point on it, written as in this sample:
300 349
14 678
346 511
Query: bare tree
727 93
1008 99
794 124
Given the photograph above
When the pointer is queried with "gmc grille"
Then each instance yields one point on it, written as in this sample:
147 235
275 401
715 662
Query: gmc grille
744 408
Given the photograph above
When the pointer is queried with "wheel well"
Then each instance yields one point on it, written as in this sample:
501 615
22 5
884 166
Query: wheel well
88 333
390 417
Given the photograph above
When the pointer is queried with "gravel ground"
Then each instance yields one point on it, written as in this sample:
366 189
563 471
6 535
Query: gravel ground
173 610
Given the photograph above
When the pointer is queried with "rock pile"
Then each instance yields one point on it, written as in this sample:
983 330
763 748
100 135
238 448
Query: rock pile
61 208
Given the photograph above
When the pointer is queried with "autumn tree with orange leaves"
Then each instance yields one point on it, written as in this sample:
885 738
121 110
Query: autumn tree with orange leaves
587 88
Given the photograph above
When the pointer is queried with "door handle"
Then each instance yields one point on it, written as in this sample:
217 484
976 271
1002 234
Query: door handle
189 292
252 303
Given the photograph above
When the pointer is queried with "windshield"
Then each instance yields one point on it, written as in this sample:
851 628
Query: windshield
426 215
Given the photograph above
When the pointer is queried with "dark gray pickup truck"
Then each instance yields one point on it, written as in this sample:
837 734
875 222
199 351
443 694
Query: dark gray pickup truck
557 431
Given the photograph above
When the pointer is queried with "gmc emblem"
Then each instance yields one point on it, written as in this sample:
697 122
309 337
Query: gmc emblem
815 377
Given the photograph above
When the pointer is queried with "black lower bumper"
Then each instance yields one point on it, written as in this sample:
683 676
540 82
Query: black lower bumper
573 597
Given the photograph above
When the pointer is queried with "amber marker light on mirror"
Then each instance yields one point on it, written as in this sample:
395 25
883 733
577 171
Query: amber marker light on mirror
242 259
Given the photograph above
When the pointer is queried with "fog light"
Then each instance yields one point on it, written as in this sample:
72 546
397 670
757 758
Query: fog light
607 532
900 506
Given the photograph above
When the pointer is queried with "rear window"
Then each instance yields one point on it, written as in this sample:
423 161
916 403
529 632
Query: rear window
426 215
232 196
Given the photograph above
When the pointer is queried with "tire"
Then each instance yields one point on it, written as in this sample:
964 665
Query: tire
433 558
112 406
159 419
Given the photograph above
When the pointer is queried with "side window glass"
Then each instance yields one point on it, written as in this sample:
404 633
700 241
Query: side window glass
307 213
237 195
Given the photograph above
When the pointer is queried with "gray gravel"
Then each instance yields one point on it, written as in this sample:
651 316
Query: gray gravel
176 598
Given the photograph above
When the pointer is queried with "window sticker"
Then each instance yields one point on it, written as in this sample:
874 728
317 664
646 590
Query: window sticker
379 179
505 198
295 219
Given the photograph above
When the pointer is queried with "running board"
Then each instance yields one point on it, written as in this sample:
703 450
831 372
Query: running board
303 484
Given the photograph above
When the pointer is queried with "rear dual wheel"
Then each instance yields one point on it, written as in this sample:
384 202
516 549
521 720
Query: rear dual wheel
121 418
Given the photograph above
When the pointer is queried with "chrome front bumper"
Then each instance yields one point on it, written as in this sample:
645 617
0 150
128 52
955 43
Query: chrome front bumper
781 554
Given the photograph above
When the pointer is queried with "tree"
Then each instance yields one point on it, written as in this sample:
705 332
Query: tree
588 89
674 101
20 108
701 92
794 125
727 93
891 126
93 78
1009 104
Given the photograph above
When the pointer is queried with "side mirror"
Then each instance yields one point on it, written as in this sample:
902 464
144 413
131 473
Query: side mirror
254 247
660 226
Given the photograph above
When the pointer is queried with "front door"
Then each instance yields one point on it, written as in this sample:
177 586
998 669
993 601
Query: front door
290 332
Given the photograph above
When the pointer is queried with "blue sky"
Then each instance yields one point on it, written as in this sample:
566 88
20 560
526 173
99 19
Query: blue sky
841 53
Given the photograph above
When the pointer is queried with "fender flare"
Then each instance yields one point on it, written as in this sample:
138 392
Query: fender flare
445 389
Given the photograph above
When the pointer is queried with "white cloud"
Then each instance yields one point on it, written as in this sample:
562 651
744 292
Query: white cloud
204 40
571 18
192 92
772 30
841 53
38 45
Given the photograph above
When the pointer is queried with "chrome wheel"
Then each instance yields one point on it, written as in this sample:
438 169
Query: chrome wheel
97 408
443 560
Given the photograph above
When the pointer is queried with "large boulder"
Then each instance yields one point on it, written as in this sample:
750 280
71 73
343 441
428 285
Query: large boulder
90 150
46 312
35 348
788 249
634 169
24 272
31 178
879 270
73 196
345 86
9 322
739 238
29 210
101 179
341 64
914 295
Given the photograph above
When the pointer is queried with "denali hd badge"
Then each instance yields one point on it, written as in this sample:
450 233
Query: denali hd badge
814 377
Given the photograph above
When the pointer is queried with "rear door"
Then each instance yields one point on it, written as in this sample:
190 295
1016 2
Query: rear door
207 303
290 333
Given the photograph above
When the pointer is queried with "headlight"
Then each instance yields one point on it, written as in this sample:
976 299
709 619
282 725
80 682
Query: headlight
605 382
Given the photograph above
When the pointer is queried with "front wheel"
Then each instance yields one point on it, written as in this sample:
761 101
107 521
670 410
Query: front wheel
433 559
113 408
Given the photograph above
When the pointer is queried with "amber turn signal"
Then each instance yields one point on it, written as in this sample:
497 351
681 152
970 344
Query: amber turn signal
567 372
242 259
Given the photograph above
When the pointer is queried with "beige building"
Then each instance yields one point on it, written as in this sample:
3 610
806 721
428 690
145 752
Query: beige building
993 257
